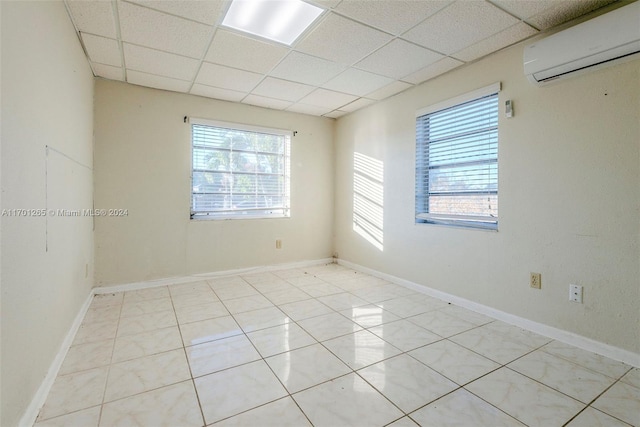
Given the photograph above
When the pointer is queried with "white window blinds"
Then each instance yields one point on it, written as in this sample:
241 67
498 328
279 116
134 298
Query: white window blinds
239 171
457 164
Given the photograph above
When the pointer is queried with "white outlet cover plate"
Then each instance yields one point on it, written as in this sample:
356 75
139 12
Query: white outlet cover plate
575 293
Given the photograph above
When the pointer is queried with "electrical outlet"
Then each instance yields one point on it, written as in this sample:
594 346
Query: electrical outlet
575 293
535 280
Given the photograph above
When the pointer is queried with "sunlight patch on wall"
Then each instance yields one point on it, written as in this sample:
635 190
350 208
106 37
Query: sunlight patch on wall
368 199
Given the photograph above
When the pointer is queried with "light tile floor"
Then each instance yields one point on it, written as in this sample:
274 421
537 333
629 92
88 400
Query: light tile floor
323 346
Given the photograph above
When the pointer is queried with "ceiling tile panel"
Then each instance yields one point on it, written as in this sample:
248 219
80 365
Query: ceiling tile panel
161 63
102 50
217 93
160 31
208 12
327 98
460 25
511 35
108 72
95 17
309 109
564 11
398 59
227 78
335 114
234 50
357 82
433 70
263 101
357 104
342 40
394 17
524 9
390 90
158 82
282 89
307 69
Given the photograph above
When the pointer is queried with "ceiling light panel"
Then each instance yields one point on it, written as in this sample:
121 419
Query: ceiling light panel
279 20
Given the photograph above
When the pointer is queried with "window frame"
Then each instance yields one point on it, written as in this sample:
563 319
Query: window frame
454 220
280 212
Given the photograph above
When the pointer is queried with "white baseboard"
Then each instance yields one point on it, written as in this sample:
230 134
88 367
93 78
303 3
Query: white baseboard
567 337
30 415
202 276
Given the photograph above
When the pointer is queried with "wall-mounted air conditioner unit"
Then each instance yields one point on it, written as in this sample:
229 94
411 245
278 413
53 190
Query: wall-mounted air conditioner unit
605 40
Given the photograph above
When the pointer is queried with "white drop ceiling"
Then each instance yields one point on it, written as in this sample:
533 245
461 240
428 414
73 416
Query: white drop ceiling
356 53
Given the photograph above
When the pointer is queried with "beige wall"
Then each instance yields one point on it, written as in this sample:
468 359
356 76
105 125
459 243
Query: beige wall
142 163
569 183
47 262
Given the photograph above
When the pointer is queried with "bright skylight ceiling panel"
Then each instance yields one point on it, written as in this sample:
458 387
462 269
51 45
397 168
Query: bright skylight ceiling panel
278 20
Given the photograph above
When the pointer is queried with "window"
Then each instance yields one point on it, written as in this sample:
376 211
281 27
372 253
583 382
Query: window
239 171
457 161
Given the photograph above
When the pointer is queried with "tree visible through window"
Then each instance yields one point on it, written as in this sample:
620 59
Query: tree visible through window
457 164
239 171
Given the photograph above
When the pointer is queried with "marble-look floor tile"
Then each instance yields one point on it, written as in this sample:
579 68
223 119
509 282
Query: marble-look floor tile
221 354
306 367
225 282
405 335
194 298
174 405
559 374
342 301
235 291
328 326
146 294
496 347
236 390
137 308
406 382
441 323
274 286
305 309
632 377
406 306
346 401
146 322
147 343
467 315
287 296
369 315
305 279
189 288
96 331
593 418
209 330
463 409
281 413
260 319
102 313
263 277
321 289
73 392
84 418
380 293
517 334
279 339
250 303
453 361
525 399
361 349
195 313
87 356
621 401
104 300
595 362
146 373
403 422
